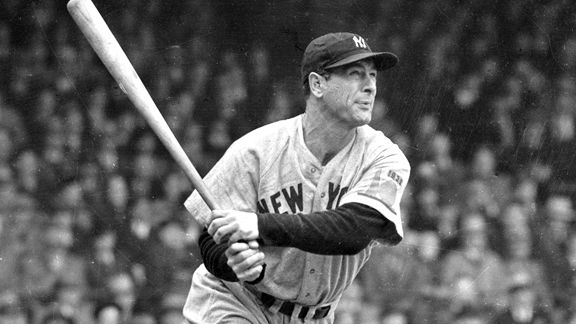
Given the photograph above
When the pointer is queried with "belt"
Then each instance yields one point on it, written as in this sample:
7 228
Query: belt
287 308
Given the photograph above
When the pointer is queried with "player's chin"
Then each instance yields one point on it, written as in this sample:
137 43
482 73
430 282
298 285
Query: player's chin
363 117
359 122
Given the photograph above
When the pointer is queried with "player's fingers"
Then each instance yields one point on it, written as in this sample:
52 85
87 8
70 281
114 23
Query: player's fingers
236 258
215 224
235 248
250 274
220 213
239 235
217 213
253 244
223 233
251 261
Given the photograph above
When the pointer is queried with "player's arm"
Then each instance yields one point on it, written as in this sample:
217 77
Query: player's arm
214 257
347 229
234 262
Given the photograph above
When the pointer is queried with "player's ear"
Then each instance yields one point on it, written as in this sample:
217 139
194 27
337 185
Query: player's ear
317 84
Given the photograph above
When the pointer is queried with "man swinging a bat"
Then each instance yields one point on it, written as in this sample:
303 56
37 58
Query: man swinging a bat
304 200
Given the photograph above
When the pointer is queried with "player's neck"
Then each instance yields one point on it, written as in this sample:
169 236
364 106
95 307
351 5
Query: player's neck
323 138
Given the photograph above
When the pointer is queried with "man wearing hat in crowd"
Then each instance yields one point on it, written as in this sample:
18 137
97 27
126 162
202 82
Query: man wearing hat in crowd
523 304
306 199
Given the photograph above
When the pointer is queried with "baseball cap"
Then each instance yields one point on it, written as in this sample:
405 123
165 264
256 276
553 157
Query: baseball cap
338 49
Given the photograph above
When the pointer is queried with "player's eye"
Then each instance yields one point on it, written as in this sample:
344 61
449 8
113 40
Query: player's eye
355 73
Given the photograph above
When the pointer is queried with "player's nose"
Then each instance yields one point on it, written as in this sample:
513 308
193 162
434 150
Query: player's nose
369 85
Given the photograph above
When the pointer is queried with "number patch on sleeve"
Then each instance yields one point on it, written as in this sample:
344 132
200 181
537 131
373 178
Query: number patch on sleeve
394 176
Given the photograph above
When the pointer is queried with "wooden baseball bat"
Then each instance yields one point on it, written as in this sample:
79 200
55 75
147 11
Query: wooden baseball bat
106 46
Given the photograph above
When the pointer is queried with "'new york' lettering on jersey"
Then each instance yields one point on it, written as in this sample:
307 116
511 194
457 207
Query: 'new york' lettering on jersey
291 200
272 170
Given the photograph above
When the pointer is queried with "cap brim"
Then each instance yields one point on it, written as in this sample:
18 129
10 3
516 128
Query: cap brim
383 60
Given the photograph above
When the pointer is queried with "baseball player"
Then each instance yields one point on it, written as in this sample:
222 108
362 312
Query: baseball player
306 199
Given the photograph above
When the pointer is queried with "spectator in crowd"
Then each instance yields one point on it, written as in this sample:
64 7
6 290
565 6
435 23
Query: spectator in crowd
26 172
142 314
69 300
449 171
565 311
259 86
231 90
122 293
470 315
395 270
519 258
523 304
167 258
488 189
395 317
552 231
57 318
106 260
170 315
430 304
474 272
108 313
14 310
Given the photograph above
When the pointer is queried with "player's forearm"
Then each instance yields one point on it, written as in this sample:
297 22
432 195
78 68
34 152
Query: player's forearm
345 230
216 262
214 257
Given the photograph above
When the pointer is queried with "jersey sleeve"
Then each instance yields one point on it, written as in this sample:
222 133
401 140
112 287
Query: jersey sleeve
232 183
381 186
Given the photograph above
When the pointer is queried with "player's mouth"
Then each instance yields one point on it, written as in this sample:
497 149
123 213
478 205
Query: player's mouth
365 103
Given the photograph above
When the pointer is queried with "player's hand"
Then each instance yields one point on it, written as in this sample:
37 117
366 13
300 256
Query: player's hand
232 226
246 261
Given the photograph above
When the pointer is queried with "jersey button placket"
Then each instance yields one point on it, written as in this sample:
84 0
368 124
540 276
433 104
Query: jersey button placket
309 281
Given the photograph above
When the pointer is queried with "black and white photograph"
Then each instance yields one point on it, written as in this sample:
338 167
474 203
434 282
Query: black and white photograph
287 162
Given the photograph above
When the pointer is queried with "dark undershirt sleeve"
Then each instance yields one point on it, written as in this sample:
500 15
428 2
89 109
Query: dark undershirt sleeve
214 257
345 230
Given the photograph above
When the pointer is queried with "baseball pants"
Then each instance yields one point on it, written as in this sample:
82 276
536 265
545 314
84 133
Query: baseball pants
211 301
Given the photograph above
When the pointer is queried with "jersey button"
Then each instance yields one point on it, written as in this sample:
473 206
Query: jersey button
312 270
323 194
313 170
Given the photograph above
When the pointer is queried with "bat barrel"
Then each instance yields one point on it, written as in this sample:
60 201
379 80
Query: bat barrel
114 58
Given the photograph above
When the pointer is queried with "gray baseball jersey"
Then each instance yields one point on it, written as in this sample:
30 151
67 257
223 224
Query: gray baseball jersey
271 170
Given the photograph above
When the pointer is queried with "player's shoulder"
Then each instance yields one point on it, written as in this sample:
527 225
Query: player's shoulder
274 132
267 139
377 144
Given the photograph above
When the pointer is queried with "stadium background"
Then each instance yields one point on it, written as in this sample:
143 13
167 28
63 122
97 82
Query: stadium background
483 104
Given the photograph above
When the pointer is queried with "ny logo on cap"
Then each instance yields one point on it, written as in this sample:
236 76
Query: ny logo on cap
359 41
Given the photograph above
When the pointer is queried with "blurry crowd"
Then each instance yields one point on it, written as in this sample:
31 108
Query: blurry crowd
92 227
